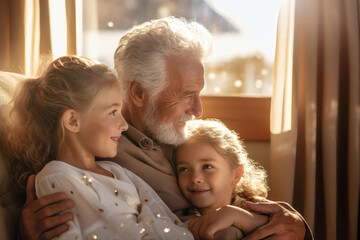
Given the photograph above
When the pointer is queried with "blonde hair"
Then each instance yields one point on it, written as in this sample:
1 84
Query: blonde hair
33 132
142 52
253 184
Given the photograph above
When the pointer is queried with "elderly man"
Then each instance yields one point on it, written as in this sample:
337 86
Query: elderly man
160 66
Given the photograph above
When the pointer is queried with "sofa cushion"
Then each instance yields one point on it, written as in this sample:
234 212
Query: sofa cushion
8 83
9 206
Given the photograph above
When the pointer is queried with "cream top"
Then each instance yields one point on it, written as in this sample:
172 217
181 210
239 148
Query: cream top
122 207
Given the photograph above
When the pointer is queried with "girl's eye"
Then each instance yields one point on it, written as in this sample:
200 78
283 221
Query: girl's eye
207 166
113 112
183 169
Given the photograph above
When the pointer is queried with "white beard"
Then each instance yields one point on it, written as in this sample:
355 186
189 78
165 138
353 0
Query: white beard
165 132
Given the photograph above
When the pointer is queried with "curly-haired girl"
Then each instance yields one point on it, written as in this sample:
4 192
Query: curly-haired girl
217 177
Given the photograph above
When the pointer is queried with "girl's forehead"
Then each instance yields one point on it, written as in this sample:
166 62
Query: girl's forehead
110 89
215 144
107 96
204 145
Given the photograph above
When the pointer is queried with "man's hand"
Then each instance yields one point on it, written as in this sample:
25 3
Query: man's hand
41 218
284 223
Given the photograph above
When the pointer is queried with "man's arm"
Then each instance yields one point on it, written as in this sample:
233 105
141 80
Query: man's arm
285 222
41 218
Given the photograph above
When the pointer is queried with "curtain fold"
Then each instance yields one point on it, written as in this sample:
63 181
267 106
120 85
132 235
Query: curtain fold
26 34
318 157
12 46
71 26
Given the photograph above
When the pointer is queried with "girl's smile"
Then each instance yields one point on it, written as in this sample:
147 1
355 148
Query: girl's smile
205 177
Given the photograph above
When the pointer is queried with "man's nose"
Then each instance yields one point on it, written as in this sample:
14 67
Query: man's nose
196 107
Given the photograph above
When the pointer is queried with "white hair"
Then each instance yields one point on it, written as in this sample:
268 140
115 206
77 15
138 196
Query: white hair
142 51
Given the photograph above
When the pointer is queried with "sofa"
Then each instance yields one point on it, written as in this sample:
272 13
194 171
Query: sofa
10 205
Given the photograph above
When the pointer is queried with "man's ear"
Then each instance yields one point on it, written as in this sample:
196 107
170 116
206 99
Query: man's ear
239 172
70 120
137 94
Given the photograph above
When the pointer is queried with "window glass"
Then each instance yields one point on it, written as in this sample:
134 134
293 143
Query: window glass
244 36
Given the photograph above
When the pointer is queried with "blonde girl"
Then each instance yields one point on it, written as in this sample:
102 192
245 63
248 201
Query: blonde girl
55 127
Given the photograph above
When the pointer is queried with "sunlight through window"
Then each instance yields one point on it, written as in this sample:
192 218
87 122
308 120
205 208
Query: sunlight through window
58 28
244 34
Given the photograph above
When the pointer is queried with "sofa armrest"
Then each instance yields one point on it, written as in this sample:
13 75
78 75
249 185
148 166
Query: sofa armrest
10 204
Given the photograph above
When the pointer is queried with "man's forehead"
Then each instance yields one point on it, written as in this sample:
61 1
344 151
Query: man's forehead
182 62
186 70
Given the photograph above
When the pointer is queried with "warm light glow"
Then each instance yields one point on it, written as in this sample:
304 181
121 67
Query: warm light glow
79 26
217 89
254 43
212 76
110 24
238 83
31 28
281 104
257 34
259 83
58 30
264 72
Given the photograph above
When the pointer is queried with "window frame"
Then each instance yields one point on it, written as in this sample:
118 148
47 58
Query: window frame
248 116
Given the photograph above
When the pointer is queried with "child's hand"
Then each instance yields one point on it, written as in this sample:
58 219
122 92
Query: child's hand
206 226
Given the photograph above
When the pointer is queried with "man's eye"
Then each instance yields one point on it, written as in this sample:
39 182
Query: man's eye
188 96
191 97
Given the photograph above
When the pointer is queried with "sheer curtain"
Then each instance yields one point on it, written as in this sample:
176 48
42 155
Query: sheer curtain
30 33
315 126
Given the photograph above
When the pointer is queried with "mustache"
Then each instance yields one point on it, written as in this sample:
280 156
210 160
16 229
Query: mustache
183 118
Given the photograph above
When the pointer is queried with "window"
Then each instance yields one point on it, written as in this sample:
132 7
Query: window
244 34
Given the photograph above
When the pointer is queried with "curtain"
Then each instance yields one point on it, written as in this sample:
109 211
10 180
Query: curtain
29 30
315 112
